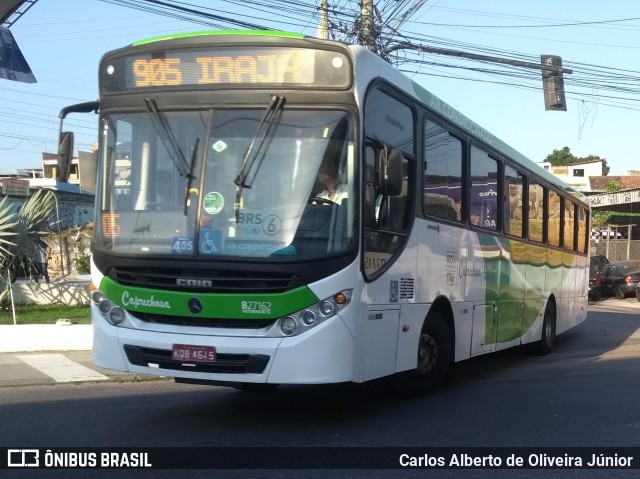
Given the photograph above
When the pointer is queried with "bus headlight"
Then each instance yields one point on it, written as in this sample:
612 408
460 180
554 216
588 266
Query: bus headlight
326 308
116 316
305 319
288 325
309 317
97 296
104 306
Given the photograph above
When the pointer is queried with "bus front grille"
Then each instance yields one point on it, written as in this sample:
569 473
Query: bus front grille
224 364
205 281
234 323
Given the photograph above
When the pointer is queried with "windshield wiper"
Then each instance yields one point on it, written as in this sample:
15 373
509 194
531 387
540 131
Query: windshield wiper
190 175
169 141
255 147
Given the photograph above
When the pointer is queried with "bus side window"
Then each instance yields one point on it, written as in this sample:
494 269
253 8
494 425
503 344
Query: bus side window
583 241
553 216
388 178
442 189
569 224
536 212
484 190
513 206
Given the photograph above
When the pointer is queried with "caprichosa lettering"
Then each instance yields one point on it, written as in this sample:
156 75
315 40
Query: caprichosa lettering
472 270
150 302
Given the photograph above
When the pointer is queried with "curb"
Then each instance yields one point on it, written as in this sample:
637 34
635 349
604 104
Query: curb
45 337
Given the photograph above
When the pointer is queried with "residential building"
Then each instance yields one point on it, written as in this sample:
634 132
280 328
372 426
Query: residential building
577 175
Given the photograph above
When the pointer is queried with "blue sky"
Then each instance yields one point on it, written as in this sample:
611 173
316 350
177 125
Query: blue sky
63 41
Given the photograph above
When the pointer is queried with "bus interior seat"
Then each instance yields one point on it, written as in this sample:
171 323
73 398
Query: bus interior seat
441 207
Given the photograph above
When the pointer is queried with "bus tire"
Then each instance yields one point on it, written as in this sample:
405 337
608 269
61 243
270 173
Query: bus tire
548 336
434 358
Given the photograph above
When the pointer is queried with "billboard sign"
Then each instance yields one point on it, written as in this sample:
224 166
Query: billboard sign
13 65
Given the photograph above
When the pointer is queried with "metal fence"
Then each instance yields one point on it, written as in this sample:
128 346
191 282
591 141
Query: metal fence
616 249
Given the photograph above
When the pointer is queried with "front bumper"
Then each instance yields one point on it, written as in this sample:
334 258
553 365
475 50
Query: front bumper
324 354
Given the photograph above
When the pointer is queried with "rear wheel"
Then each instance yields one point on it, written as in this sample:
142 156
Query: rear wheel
434 356
619 293
544 346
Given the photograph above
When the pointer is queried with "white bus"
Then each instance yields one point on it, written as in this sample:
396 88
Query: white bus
277 209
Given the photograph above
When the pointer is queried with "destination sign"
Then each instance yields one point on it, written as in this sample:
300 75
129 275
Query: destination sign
255 66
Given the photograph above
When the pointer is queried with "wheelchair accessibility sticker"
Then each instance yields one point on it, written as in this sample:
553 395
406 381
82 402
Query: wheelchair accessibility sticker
210 242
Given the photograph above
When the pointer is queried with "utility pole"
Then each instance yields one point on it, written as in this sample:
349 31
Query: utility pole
323 26
366 36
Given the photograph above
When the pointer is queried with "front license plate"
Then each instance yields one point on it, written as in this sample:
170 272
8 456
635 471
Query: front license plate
196 354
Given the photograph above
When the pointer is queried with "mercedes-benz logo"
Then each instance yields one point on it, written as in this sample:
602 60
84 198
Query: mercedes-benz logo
195 305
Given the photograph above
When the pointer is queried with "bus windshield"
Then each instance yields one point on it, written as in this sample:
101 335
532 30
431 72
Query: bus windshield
170 183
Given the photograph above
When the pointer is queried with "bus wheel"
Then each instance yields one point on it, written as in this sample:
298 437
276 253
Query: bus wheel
434 357
255 387
544 346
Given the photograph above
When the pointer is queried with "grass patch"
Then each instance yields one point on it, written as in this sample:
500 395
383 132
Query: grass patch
46 314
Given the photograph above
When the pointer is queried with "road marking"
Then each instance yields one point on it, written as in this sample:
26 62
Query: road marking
61 368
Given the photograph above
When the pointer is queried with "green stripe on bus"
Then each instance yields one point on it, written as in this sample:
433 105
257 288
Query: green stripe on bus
261 33
213 305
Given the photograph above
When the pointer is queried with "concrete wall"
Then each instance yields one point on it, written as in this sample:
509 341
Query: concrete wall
617 250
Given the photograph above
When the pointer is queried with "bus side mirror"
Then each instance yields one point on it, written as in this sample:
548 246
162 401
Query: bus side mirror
65 154
390 171
370 218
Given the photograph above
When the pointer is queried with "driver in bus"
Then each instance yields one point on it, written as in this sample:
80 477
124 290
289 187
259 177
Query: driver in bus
334 191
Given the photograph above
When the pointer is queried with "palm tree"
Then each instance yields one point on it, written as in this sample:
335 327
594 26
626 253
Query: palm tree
20 230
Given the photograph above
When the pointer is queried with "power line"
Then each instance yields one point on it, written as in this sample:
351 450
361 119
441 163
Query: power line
616 87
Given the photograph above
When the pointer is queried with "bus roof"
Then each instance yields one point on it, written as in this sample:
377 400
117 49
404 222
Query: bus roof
263 33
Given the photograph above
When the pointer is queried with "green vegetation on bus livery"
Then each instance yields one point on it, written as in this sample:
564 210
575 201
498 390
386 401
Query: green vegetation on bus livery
223 306
518 294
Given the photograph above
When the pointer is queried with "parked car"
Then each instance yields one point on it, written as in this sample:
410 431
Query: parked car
620 278
638 292
598 261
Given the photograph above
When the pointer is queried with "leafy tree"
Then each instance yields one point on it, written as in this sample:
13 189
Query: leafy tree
562 157
19 230
565 157
612 186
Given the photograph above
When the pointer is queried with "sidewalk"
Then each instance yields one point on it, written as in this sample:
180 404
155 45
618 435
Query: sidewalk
48 337
45 337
